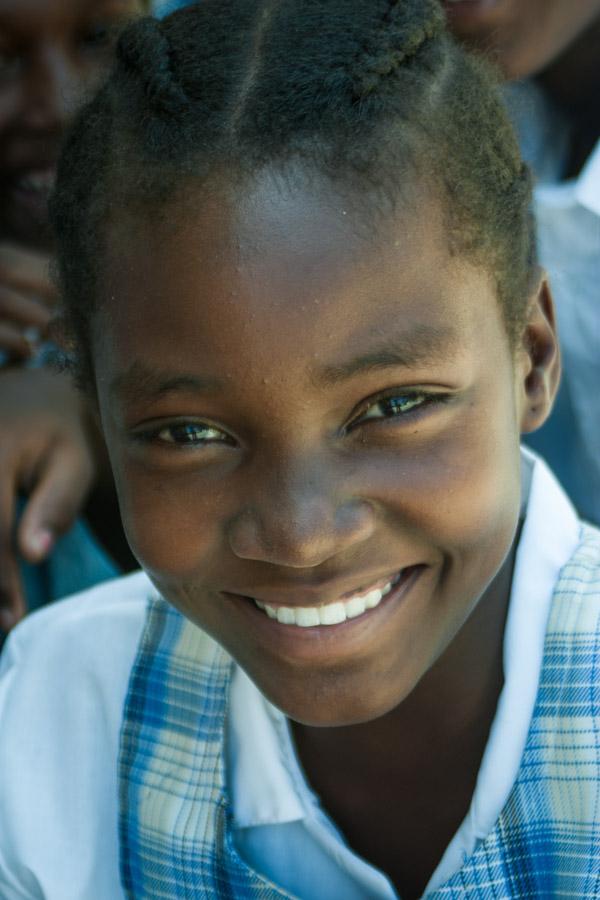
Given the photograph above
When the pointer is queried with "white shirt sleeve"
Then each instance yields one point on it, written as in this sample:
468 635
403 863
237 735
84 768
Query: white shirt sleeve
63 680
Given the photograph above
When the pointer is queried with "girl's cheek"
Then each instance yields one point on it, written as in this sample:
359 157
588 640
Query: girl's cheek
455 486
172 525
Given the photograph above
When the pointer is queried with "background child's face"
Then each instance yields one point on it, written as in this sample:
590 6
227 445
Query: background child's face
298 414
524 35
51 52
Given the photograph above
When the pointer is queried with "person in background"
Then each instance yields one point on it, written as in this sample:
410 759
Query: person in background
53 53
549 51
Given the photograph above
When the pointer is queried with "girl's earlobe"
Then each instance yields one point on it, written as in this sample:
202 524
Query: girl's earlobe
541 350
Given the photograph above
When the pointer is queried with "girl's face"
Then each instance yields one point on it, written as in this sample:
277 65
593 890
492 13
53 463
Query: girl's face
313 423
51 52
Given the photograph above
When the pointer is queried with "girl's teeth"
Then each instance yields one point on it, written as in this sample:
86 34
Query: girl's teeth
355 607
373 598
331 613
306 617
286 615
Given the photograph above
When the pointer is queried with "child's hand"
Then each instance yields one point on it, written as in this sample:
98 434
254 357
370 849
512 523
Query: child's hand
47 453
27 299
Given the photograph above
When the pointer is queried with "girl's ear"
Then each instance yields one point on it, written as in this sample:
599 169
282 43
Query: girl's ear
540 355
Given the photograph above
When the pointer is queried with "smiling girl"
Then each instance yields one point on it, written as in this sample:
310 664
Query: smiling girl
360 660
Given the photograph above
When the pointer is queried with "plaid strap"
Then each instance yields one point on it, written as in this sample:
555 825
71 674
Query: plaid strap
546 843
173 825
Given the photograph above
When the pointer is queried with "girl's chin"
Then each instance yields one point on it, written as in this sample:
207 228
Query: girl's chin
332 708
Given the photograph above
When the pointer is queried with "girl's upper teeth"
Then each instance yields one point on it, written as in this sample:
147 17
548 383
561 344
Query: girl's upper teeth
331 613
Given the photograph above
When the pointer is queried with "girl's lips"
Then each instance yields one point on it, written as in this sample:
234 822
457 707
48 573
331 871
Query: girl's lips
300 640
348 606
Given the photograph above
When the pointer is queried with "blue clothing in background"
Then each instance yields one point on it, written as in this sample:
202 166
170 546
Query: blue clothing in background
162 8
77 562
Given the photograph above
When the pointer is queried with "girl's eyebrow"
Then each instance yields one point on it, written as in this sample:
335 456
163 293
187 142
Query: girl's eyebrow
141 383
409 349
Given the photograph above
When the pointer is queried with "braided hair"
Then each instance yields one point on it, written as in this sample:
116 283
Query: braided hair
374 95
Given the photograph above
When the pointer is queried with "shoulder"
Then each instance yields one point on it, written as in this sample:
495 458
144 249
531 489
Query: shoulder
569 678
64 674
579 580
96 631
56 656
108 605
588 549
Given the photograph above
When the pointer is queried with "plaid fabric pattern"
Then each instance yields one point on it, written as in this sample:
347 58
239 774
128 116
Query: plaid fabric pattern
173 834
174 817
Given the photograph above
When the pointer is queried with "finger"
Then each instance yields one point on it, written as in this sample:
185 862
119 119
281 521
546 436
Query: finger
27 270
14 342
21 310
12 600
53 505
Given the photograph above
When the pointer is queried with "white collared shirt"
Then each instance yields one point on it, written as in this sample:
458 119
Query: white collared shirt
63 681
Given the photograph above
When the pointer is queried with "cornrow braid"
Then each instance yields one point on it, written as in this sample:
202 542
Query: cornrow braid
397 39
374 95
144 54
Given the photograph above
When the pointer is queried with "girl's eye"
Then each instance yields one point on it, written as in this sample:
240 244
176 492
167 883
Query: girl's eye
185 434
190 434
390 407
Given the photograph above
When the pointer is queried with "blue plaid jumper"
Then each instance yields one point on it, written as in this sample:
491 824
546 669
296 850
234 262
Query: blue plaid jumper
175 820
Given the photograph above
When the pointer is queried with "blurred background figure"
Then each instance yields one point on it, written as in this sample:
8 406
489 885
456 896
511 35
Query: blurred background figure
53 53
549 51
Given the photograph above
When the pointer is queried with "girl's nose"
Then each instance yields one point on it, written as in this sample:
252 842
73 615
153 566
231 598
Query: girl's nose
299 524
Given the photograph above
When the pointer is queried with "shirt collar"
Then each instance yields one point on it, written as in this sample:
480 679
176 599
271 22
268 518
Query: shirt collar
260 759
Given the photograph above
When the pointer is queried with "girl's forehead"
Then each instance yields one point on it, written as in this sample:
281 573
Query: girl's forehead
240 277
304 228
